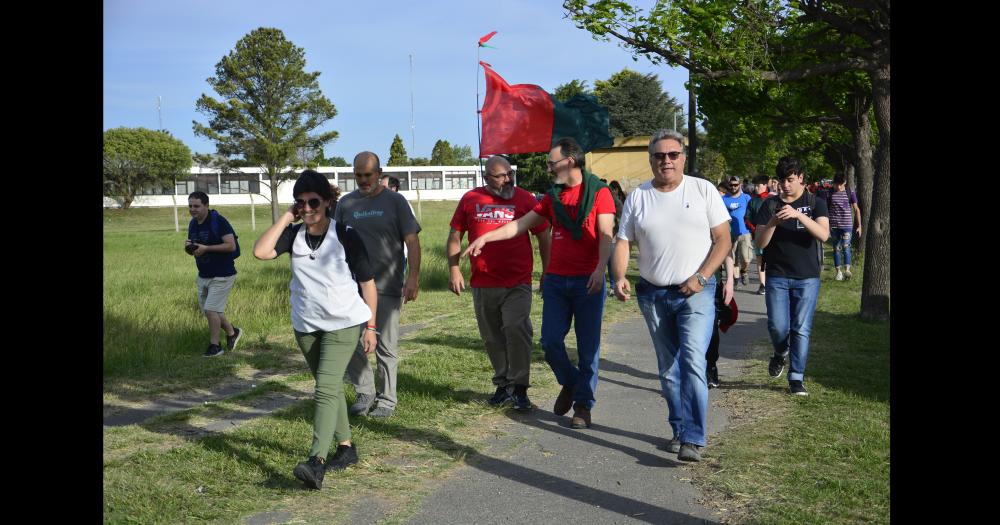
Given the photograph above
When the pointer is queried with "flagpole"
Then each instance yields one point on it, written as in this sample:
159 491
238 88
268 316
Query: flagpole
479 135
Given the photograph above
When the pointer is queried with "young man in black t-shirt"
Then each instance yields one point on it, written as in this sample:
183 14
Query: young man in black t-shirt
791 228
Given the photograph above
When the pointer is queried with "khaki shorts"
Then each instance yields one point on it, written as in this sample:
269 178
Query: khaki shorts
742 249
214 292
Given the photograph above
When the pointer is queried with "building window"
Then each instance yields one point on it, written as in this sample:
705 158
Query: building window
207 182
347 183
185 187
463 180
426 180
156 190
404 183
240 183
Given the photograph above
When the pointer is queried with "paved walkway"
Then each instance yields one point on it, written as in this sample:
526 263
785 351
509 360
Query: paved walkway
542 471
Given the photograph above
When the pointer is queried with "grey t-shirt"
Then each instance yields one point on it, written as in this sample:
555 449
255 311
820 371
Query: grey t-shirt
382 221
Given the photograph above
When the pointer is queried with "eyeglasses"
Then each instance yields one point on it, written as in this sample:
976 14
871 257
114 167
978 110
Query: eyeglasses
659 155
506 174
554 164
313 203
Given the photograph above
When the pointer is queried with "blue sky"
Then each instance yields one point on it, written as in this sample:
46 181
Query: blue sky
169 49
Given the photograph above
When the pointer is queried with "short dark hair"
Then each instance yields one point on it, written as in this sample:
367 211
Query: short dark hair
839 178
313 181
393 183
788 166
734 178
569 147
760 179
200 195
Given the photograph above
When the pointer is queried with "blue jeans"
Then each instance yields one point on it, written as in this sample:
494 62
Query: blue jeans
566 299
841 240
790 307
681 329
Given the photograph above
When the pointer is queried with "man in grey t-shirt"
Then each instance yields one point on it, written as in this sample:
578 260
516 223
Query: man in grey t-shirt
385 222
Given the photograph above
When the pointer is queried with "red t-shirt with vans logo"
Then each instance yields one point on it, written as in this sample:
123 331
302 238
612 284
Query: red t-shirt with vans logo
571 257
501 264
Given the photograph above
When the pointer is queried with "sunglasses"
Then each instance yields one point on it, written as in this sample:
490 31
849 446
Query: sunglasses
734 185
313 203
507 175
672 154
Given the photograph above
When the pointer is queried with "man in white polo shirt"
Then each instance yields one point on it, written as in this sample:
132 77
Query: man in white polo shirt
682 229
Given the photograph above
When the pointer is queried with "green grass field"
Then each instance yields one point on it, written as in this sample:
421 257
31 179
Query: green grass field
161 471
818 459
821 459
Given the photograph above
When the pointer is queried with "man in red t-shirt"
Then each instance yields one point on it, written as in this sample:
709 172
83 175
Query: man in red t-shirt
582 213
501 277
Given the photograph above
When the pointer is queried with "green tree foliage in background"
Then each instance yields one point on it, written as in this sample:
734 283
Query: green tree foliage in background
442 154
637 104
269 108
137 159
397 153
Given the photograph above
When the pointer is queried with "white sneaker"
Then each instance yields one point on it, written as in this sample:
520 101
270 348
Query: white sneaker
840 276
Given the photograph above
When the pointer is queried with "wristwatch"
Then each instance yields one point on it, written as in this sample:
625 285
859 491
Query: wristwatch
701 280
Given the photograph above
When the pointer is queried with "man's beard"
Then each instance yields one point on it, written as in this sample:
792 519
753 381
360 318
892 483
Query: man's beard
505 192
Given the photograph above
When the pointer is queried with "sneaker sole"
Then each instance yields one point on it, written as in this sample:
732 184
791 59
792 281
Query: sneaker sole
213 355
306 477
800 393
237 341
779 373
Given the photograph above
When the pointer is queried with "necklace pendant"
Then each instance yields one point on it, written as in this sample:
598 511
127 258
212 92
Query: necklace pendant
312 256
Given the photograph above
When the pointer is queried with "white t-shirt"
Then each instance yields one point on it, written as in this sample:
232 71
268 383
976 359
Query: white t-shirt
672 229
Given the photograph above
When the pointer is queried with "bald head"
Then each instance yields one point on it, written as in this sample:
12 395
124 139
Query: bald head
498 160
366 173
367 156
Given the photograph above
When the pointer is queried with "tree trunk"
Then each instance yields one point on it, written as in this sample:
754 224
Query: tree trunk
861 131
272 175
126 203
875 288
692 154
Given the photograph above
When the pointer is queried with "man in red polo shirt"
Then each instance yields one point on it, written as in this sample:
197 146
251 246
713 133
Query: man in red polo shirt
582 214
501 277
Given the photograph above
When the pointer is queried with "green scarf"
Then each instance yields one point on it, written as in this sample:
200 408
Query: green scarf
591 185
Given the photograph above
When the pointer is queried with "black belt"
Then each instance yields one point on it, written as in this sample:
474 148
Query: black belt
669 287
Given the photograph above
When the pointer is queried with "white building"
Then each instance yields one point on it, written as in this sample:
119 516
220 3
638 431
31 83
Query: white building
246 185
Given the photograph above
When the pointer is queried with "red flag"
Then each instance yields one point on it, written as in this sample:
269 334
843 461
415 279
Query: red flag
485 38
516 119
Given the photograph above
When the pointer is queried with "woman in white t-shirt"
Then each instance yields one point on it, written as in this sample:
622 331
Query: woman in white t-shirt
329 265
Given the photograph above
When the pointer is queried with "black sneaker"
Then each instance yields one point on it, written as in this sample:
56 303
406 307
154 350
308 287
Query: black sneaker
500 397
361 404
713 376
310 472
213 351
520 399
345 456
760 290
776 366
743 279
674 445
231 340
797 388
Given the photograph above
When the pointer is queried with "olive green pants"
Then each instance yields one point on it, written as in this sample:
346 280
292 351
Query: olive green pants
327 354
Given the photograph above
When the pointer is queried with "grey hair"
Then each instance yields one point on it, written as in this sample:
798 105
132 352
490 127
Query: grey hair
665 134
497 159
